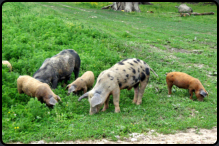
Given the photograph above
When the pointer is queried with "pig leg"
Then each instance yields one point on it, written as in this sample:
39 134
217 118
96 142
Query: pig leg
191 94
67 78
19 88
116 94
106 104
169 86
136 90
85 89
54 82
76 72
141 90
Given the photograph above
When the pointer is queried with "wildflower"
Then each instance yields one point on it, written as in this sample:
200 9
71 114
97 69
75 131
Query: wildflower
17 127
122 10
14 114
66 104
9 112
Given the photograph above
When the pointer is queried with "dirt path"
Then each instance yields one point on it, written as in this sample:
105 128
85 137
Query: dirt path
204 136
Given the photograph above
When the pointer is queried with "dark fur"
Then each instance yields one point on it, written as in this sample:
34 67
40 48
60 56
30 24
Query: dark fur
59 67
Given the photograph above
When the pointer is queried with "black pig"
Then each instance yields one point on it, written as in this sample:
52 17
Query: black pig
59 67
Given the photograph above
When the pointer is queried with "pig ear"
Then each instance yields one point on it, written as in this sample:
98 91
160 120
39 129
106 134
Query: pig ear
58 98
52 101
203 93
67 87
71 89
95 100
83 96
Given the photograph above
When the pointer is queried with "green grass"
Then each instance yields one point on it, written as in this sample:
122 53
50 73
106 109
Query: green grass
32 32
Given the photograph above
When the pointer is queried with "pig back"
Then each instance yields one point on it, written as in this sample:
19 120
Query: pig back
64 62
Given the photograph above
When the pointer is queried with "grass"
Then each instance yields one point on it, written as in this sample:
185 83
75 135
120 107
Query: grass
32 32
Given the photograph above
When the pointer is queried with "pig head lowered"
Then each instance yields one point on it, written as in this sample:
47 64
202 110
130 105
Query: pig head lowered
82 83
125 74
59 67
32 87
183 80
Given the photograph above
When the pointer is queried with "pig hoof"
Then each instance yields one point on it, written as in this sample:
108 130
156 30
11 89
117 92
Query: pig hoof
117 111
138 103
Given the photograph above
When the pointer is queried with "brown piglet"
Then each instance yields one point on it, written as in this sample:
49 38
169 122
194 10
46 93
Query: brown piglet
185 81
82 83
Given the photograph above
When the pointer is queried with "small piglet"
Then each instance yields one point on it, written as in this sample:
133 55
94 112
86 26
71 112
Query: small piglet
185 81
125 74
8 64
82 83
32 87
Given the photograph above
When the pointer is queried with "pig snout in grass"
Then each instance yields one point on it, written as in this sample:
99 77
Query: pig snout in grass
81 83
185 81
34 88
125 74
59 67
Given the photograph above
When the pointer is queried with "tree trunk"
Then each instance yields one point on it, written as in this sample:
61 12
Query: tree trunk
126 6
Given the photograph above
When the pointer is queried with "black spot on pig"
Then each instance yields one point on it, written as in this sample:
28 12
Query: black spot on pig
99 92
127 75
109 87
135 61
99 80
124 60
147 71
135 79
131 64
124 70
133 70
125 80
136 85
138 60
142 76
138 69
144 62
111 77
117 69
141 66
120 63
120 84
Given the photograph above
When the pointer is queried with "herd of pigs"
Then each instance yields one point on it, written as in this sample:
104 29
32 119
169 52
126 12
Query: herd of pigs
125 74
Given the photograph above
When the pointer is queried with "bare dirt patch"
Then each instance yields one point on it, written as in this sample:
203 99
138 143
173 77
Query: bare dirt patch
190 136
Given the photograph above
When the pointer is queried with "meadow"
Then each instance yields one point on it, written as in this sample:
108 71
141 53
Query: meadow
34 31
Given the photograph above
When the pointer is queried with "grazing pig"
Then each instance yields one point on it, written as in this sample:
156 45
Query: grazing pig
125 74
59 67
82 83
5 62
183 80
32 87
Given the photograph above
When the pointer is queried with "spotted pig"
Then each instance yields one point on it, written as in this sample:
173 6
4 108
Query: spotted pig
125 74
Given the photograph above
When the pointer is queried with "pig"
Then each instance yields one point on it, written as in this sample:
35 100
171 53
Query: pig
185 81
82 83
34 88
5 62
125 74
59 67
183 8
